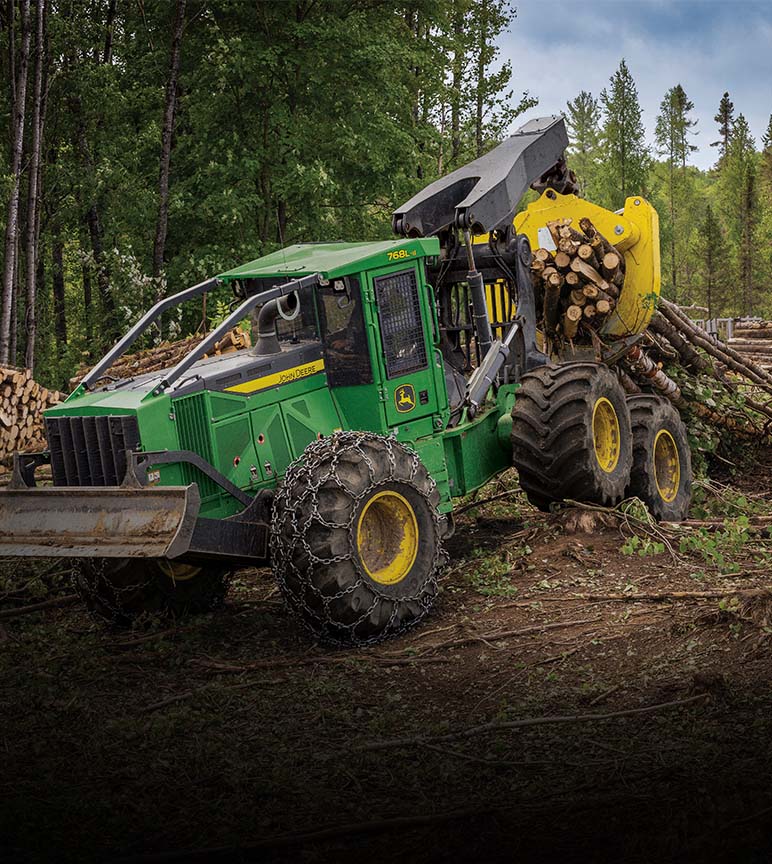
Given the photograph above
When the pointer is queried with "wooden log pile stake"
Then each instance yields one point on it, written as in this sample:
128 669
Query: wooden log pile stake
22 402
580 280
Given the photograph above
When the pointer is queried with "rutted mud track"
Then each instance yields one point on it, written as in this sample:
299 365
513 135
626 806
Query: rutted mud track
564 701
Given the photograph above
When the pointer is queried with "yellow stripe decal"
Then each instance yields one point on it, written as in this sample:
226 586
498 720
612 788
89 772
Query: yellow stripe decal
285 377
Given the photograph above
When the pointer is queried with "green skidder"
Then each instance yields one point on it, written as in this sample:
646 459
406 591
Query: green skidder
386 380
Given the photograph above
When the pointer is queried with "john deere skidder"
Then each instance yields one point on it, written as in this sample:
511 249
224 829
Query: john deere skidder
387 379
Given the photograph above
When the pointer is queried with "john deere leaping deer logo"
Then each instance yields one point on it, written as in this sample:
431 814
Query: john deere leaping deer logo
404 398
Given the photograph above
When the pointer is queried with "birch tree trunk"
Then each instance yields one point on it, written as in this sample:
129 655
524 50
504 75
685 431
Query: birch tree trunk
8 296
33 203
166 141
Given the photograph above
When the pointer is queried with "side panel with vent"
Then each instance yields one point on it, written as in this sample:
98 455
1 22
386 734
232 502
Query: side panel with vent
271 444
195 433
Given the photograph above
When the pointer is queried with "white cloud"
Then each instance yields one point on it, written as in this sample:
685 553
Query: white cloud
558 49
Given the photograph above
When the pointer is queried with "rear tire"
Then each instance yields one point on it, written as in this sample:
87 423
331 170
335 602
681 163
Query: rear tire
356 538
571 435
662 461
124 590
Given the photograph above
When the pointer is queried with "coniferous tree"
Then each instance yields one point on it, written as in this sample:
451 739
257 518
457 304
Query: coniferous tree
725 119
625 155
674 125
766 158
739 187
583 124
712 272
764 230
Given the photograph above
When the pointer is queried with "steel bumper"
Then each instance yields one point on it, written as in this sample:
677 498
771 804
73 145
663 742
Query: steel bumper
105 522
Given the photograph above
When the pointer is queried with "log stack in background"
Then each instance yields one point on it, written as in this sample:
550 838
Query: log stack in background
580 280
167 354
22 402
753 339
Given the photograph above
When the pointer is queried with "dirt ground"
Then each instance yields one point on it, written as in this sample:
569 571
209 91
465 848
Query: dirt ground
565 701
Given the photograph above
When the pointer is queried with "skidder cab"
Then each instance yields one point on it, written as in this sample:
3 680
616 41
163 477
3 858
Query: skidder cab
386 380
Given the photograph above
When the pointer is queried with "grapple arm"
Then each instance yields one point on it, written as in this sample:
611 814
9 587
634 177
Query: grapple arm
482 195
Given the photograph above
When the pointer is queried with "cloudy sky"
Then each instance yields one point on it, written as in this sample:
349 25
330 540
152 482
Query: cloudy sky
558 48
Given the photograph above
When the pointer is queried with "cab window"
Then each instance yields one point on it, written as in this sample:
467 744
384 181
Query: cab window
346 358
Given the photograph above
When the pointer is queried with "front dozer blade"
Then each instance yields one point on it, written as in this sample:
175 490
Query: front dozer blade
104 522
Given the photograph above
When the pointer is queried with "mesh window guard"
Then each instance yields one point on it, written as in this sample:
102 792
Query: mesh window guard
402 331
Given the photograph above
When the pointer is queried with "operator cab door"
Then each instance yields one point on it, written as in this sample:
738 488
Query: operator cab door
406 360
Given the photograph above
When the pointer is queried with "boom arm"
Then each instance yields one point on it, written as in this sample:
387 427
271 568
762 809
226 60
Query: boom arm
483 195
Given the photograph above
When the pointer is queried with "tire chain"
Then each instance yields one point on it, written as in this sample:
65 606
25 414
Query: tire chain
90 578
314 468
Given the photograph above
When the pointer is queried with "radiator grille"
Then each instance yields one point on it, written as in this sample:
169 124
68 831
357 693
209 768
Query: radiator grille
194 428
399 311
90 451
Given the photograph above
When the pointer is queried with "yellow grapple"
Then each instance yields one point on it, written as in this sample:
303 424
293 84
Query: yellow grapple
634 230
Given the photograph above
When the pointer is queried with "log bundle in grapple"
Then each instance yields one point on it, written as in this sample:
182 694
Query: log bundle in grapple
580 279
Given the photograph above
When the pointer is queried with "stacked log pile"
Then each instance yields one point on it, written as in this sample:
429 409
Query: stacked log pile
168 354
22 402
754 341
579 280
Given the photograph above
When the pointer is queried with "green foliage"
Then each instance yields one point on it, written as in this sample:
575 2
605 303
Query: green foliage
673 128
491 573
710 499
705 438
674 125
642 546
713 272
294 122
739 187
310 121
721 548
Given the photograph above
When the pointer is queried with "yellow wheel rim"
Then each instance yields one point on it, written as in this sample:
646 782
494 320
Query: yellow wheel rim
178 572
387 537
667 466
605 434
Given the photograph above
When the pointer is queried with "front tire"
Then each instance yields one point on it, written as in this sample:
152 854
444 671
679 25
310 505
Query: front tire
571 435
662 462
356 538
124 590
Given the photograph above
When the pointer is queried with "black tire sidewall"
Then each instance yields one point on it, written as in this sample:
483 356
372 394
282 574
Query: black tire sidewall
316 562
643 483
610 485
